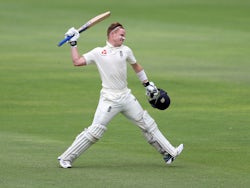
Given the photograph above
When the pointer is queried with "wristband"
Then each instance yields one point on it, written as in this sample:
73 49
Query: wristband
146 84
142 76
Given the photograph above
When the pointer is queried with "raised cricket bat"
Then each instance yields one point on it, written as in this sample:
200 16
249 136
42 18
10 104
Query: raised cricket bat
87 25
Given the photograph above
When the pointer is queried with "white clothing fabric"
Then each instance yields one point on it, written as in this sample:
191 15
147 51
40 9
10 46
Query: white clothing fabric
116 98
112 64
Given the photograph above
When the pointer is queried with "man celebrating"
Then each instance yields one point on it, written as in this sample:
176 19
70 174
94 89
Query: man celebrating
115 97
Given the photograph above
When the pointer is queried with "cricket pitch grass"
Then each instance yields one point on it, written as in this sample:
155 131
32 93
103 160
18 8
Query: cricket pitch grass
196 50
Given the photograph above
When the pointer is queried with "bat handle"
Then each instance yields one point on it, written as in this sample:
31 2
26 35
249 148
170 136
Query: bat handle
64 40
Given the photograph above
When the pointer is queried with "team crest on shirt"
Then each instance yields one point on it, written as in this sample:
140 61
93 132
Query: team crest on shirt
121 54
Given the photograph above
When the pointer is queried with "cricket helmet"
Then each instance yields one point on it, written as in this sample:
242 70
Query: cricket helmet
162 101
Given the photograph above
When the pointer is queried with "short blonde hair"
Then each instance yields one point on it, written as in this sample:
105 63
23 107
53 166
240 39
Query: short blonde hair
113 27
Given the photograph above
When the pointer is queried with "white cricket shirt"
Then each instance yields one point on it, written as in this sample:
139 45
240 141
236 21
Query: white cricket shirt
112 64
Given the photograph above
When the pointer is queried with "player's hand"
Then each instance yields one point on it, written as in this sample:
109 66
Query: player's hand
72 32
151 91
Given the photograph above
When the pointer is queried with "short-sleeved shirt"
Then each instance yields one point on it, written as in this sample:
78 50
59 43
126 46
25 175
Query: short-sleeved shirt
112 64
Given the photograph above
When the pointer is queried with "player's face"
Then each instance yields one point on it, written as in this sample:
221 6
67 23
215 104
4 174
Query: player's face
118 37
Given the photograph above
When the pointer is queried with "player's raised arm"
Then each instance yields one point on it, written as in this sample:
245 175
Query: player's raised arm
77 59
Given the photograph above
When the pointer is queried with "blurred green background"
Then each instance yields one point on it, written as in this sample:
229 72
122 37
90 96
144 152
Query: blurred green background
197 50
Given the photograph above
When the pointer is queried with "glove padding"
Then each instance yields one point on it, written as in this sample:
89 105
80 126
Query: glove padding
151 91
72 32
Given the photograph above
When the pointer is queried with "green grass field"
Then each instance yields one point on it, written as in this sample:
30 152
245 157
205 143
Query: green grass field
197 50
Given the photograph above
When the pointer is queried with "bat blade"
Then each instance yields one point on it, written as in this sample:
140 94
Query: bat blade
87 25
94 21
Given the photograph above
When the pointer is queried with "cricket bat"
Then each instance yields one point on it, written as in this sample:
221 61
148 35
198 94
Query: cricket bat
87 25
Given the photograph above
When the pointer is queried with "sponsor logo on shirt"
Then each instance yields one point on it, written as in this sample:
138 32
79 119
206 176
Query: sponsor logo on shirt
104 52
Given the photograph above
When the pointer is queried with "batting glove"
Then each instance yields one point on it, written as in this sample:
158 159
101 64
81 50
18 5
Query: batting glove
151 90
72 32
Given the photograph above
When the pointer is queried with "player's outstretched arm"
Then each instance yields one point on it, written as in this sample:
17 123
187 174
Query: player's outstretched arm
76 58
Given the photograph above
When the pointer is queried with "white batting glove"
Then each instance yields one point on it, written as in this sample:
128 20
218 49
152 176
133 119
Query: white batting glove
151 91
72 32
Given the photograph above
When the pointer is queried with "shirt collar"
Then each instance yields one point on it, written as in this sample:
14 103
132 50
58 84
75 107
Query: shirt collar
111 46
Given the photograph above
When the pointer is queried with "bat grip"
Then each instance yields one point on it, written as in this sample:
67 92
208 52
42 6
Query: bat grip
64 40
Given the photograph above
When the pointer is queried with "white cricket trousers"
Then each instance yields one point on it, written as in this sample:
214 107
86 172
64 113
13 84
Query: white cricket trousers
110 104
